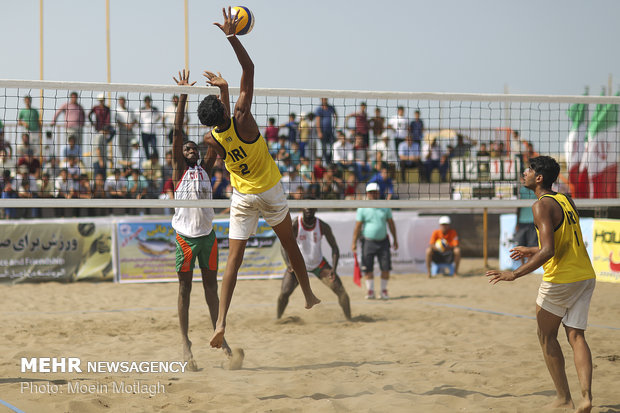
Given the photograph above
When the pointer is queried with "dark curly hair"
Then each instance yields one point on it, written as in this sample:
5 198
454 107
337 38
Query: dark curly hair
547 167
211 111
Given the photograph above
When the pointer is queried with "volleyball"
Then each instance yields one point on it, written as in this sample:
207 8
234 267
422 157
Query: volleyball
246 19
440 244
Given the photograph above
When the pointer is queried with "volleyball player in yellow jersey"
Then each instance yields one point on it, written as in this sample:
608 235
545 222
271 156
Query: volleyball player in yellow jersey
568 280
254 176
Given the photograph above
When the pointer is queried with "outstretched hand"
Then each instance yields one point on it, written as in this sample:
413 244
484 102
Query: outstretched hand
183 79
517 253
229 27
215 80
496 276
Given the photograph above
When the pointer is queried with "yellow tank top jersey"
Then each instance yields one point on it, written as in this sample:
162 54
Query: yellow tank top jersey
252 169
571 262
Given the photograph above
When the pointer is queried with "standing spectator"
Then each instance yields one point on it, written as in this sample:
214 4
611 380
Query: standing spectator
125 122
74 118
432 159
416 128
326 122
219 184
409 155
443 248
361 166
377 124
304 133
116 186
371 224
30 120
292 126
102 122
168 120
362 125
463 146
383 180
271 131
149 118
137 185
310 146
399 125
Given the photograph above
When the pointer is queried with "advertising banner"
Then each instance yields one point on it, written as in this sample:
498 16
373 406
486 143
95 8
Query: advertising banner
606 250
146 251
62 250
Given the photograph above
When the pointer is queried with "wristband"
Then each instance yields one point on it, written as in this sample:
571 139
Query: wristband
230 35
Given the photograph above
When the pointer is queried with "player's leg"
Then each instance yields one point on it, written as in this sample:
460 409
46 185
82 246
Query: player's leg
429 260
583 364
289 283
332 280
548 325
184 267
368 263
385 265
457 259
284 231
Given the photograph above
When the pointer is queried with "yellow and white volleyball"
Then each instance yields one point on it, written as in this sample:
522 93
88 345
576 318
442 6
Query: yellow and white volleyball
440 244
246 19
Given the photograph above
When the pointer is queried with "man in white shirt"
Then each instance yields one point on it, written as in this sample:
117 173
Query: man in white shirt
399 124
342 151
125 121
149 117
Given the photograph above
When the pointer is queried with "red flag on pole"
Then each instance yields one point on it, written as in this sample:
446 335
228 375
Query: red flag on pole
357 272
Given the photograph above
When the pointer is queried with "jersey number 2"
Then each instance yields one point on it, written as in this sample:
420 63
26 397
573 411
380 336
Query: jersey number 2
244 169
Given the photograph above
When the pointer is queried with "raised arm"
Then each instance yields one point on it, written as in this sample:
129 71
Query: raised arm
246 88
178 161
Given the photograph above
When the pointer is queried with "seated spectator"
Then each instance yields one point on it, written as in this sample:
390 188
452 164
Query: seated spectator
409 155
52 167
152 171
483 150
63 185
342 152
116 186
350 185
99 186
219 184
305 170
9 193
6 161
331 187
84 190
100 164
25 146
279 146
30 162
299 193
463 146
432 158
295 154
137 185
73 167
386 186
4 145
25 191
443 250
290 181
72 148
383 151
135 157
318 170
45 186
271 131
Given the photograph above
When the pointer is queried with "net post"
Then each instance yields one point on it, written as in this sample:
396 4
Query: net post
485 236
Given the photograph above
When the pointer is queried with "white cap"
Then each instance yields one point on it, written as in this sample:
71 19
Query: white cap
135 141
101 96
373 186
444 220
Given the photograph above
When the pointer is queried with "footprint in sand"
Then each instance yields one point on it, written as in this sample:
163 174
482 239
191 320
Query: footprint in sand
290 320
235 362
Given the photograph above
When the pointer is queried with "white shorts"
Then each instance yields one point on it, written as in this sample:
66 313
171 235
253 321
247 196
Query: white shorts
245 209
570 301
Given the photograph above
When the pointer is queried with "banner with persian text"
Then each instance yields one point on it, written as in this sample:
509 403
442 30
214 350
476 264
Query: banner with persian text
62 250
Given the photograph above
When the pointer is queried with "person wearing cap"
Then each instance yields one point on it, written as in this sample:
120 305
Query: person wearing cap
443 248
371 228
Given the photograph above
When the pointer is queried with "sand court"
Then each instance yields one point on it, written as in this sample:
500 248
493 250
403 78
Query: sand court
440 345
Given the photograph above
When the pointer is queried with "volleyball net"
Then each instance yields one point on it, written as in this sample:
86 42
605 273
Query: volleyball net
69 144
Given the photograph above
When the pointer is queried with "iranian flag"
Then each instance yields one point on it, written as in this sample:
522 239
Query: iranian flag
600 159
574 149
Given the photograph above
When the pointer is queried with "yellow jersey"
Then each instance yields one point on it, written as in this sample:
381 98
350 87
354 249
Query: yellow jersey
571 262
252 169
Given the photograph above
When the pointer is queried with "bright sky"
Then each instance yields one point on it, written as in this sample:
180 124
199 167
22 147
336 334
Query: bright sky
533 46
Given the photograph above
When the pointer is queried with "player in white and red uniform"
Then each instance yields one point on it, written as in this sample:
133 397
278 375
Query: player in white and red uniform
308 231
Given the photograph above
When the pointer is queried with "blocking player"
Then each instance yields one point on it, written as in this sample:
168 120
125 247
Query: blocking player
308 231
254 176
568 281
195 237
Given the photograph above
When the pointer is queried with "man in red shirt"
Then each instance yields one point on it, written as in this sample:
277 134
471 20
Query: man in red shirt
443 247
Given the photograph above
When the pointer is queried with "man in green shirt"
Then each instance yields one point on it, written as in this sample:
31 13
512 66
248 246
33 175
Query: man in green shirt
29 119
371 224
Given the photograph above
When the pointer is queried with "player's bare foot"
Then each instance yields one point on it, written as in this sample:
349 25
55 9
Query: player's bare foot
312 301
217 339
561 404
188 356
585 406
